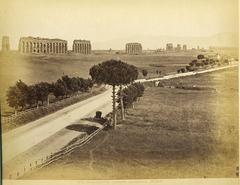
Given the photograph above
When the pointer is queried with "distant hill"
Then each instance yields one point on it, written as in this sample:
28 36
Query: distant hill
153 42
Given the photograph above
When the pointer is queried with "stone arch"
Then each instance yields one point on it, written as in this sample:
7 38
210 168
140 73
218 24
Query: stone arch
60 47
51 47
56 47
31 47
23 47
47 47
41 47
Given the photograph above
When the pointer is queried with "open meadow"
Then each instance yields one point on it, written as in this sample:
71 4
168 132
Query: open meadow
49 68
170 133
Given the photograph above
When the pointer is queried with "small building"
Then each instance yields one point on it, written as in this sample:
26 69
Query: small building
133 48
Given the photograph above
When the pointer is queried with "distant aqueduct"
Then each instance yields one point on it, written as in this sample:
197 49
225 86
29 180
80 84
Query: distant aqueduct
42 45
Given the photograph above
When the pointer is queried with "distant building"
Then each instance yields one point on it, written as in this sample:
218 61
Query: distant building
133 48
169 47
184 47
82 47
178 48
5 43
42 45
198 48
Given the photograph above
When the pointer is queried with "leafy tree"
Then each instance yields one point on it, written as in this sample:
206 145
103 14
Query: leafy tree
182 70
22 91
193 63
131 94
114 73
67 83
74 85
144 72
200 56
140 89
206 62
17 95
12 98
60 90
189 68
42 91
199 63
31 95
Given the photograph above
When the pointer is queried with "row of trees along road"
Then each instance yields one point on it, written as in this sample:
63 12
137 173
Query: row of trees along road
25 96
114 73
202 61
130 94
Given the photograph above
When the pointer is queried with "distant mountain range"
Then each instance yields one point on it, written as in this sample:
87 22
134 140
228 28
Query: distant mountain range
153 42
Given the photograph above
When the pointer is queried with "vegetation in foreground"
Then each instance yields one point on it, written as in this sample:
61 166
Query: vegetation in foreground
170 133
36 113
114 73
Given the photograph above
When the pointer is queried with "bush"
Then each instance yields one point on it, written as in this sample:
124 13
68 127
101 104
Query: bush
200 56
131 94
22 96
182 70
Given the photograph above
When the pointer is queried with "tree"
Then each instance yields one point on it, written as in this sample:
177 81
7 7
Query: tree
60 90
199 63
42 91
74 85
17 95
131 94
182 70
22 91
189 68
144 72
193 63
114 73
31 95
12 98
140 89
67 83
200 56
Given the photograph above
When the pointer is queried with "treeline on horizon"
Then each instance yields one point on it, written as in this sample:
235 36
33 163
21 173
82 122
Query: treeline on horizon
200 62
25 96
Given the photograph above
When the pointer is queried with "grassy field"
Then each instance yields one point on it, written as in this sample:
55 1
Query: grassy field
33 69
171 133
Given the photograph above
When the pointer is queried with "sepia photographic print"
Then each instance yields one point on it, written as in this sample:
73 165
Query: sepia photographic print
129 91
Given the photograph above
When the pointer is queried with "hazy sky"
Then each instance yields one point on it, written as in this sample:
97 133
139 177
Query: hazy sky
102 20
